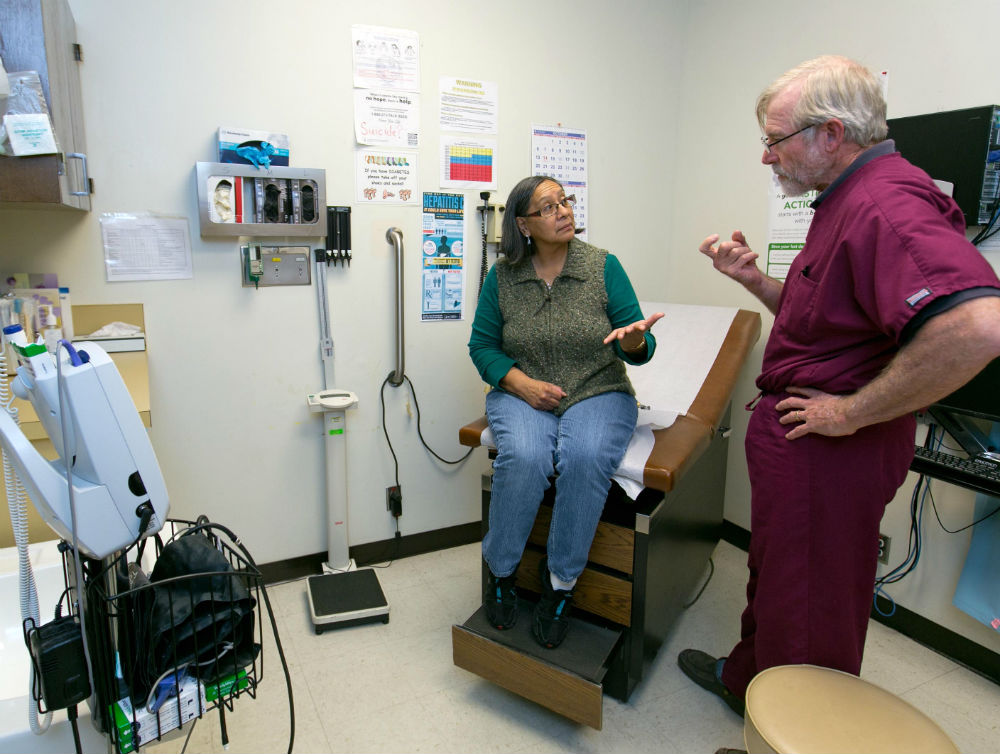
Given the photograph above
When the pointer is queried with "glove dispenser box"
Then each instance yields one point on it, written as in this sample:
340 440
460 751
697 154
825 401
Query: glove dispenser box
241 200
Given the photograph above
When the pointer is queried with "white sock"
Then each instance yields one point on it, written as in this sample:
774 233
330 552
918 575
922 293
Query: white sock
558 585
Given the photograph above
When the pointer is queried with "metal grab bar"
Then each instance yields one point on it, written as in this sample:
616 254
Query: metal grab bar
395 237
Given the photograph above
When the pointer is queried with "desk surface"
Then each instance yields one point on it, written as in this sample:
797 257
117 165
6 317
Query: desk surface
678 446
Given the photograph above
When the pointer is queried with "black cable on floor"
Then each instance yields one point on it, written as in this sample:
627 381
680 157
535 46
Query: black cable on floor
711 572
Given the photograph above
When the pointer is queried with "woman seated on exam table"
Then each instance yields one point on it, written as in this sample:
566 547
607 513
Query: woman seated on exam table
555 319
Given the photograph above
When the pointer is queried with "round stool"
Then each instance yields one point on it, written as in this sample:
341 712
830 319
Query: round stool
804 708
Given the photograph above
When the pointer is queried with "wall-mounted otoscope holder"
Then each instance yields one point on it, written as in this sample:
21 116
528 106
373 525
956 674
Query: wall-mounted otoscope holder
338 234
334 256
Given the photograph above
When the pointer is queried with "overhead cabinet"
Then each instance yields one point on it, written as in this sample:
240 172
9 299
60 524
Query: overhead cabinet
40 35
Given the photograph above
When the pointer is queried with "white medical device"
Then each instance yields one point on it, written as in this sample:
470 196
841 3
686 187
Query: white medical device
333 404
342 595
118 489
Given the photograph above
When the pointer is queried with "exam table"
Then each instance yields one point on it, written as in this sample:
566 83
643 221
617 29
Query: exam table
648 557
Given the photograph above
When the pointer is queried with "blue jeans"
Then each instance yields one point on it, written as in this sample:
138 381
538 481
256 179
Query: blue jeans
584 447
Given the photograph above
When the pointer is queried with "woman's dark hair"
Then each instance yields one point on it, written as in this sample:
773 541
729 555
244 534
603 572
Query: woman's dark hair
512 243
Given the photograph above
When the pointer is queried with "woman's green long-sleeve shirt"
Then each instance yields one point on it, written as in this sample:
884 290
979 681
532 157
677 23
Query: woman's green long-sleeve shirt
556 335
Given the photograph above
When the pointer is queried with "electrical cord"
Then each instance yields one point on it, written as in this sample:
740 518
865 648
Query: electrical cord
17 503
71 715
711 572
270 614
987 231
77 568
395 459
396 540
914 541
188 737
942 444
420 434
963 528
912 554
921 492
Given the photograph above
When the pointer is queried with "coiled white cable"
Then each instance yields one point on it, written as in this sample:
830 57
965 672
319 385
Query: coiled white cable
17 502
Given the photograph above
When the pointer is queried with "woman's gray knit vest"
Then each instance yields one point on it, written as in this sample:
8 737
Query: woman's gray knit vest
556 334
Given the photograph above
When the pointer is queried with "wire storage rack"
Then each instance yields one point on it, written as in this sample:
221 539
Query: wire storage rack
185 639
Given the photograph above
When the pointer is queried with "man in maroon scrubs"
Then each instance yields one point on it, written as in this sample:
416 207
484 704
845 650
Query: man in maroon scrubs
886 309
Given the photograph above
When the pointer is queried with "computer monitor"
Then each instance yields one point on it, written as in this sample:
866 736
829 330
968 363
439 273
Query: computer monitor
970 162
967 413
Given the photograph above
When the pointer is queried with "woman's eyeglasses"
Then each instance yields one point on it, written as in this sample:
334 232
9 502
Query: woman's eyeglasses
551 208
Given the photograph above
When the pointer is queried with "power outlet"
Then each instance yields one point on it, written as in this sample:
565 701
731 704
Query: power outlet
394 501
883 548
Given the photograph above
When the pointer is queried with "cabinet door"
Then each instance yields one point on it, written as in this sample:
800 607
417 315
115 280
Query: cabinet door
40 35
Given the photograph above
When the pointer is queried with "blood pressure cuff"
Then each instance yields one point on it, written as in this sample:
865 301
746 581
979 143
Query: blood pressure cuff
197 615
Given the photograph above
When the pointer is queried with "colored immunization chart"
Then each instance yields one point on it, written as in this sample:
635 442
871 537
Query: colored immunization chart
470 163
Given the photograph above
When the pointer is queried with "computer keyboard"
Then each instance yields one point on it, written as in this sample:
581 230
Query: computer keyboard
981 473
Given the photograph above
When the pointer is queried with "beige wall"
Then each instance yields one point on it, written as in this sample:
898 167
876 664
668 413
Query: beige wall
230 367
665 91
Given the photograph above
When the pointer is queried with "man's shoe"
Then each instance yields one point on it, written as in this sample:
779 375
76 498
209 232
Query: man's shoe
500 599
550 621
700 668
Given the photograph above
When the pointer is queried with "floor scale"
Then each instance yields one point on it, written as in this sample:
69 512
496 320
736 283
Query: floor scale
342 595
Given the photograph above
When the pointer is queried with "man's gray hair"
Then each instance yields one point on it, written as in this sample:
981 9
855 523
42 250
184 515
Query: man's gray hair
832 86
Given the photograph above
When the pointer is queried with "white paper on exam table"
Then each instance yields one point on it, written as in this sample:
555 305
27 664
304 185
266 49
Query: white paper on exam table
688 339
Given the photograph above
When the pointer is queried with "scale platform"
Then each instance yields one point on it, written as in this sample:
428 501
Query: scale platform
349 598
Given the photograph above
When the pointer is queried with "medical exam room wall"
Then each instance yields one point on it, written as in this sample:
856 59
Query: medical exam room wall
230 367
939 57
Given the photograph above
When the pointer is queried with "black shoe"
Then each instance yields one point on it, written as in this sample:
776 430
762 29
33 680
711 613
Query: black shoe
700 668
550 621
500 599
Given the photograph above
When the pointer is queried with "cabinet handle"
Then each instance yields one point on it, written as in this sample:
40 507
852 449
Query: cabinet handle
83 166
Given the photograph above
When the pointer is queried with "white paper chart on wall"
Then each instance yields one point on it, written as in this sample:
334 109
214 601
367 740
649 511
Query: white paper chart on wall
561 153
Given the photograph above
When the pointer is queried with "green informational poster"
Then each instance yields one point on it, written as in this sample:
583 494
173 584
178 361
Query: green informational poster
788 223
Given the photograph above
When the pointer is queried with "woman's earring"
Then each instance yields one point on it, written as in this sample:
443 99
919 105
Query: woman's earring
527 239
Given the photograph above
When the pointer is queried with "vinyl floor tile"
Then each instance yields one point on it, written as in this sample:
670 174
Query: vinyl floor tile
393 687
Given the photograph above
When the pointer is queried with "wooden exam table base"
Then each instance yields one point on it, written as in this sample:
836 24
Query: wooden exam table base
647 560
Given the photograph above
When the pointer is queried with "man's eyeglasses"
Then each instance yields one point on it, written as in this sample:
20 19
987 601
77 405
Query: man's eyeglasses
768 145
551 208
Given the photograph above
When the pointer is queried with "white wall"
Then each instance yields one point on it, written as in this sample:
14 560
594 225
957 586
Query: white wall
230 367
937 60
